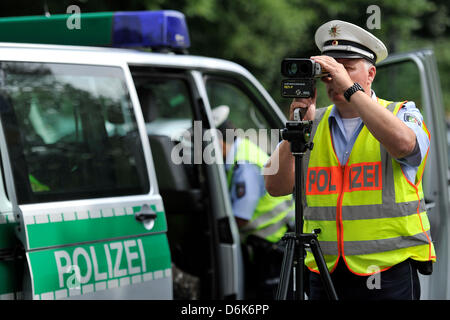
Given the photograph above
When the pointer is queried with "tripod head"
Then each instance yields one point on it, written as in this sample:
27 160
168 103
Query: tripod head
298 133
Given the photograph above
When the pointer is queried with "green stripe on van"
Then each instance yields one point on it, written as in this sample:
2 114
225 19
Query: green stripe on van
49 234
8 239
10 278
95 29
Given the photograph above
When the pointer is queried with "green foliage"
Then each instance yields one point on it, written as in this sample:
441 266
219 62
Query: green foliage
255 34
258 34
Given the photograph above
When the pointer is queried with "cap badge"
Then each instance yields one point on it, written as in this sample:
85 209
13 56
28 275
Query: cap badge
334 31
334 43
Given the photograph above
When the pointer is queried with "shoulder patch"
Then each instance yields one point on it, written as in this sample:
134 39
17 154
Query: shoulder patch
409 117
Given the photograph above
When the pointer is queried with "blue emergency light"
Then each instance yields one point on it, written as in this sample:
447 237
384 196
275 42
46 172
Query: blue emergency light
163 29
154 29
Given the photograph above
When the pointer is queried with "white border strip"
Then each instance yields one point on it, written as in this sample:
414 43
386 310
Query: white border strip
74 215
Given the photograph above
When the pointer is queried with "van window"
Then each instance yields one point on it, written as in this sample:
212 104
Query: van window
248 110
166 104
244 112
167 107
71 132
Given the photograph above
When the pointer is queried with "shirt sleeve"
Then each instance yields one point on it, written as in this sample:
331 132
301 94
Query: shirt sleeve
412 117
247 188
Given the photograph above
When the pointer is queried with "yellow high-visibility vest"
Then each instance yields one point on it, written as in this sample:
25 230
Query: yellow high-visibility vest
369 214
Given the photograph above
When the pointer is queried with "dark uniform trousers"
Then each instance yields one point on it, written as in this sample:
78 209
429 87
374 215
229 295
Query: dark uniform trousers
263 269
400 282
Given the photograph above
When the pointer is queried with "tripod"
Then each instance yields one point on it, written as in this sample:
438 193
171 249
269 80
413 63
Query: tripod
298 134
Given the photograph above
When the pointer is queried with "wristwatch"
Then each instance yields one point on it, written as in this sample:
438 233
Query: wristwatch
355 87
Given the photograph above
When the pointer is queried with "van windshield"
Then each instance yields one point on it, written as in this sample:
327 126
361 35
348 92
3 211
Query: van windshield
71 132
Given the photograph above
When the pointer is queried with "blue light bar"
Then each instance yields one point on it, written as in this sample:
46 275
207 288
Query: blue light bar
154 29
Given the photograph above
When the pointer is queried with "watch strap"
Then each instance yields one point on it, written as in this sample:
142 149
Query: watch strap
350 91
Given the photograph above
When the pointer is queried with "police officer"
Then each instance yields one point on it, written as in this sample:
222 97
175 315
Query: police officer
362 183
262 219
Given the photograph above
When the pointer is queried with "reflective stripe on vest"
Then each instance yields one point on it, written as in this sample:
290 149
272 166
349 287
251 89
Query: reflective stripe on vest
375 246
272 214
367 210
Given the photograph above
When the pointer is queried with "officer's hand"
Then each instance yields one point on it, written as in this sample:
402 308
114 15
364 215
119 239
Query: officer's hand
308 104
340 78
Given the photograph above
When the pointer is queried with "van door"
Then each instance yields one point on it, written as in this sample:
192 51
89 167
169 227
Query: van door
81 183
256 119
414 76
170 105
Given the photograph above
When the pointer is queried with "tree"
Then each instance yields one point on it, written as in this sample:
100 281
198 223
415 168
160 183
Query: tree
258 34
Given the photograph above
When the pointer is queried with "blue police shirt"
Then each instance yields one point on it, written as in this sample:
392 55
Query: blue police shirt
247 185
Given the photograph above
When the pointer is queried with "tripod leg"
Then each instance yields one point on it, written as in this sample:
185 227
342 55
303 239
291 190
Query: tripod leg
324 274
286 267
299 292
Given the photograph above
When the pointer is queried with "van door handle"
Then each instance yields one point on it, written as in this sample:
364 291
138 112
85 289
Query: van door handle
147 216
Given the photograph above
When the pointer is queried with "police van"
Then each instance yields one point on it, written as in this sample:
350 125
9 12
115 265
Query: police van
94 202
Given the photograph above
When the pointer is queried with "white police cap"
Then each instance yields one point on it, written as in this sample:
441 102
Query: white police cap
220 114
340 39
